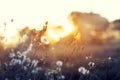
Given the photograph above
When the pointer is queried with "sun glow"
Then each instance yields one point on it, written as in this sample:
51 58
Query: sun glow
10 35
36 12
56 33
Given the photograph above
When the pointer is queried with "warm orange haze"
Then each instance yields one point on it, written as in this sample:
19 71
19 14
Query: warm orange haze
56 12
59 40
11 36
84 27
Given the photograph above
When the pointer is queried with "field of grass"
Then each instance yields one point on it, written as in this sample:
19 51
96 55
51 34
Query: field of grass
64 60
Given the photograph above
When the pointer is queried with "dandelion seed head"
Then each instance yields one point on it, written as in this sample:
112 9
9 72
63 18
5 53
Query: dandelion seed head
44 40
109 58
87 72
82 70
59 63
91 64
62 77
25 37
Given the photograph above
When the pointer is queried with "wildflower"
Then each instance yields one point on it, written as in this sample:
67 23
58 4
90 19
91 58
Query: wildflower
91 64
59 63
82 70
109 58
24 37
44 40
19 55
34 63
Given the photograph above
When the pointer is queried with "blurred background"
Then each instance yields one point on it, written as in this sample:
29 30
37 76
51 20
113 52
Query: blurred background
74 31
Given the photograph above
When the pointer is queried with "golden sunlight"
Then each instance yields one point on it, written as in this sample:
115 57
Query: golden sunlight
58 32
10 35
36 12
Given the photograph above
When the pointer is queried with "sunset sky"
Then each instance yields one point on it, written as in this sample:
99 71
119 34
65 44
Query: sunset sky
35 12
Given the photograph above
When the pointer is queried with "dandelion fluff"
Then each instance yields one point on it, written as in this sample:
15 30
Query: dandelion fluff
34 63
45 40
59 63
87 72
91 64
25 37
83 71
109 58
19 54
62 77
